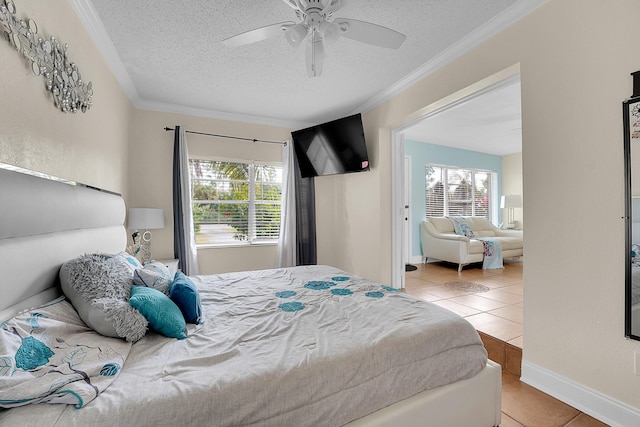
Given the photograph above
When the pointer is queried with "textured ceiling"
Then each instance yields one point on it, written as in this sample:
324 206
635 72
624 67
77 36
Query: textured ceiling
489 122
168 55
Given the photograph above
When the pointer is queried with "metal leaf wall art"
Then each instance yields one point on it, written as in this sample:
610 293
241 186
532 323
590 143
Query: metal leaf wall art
49 59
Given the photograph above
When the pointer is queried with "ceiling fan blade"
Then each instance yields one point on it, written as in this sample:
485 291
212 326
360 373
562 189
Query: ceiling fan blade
294 4
291 3
331 7
258 34
367 32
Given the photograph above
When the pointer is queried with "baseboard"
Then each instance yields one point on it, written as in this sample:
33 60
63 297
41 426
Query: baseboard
419 259
589 401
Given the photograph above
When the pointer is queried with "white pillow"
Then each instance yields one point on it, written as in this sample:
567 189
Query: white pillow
132 262
155 275
99 288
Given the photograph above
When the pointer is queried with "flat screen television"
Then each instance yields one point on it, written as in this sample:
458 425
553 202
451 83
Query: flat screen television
331 148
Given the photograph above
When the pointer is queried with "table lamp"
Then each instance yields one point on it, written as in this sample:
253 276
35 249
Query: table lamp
144 219
510 202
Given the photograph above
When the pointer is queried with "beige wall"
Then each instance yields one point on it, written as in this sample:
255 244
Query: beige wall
90 148
348 216
575 57
94 148
512 182
151 152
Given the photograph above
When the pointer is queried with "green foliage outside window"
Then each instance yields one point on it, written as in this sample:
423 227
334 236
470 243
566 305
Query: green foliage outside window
226 195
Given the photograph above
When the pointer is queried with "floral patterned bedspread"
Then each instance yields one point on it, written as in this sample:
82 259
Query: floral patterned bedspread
48 355
301 346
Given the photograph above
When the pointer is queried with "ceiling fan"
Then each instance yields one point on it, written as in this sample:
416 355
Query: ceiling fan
317 25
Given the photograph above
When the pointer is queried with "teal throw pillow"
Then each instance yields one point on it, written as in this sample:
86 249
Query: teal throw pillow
185 294
163 315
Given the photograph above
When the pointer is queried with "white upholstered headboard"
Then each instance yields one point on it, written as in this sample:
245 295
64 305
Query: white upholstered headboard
44 223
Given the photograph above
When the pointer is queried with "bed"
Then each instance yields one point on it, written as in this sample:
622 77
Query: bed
308 345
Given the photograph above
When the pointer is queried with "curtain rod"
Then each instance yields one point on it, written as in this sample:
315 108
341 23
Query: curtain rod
230 137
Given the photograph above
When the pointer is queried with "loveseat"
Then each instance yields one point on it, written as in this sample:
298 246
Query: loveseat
440 241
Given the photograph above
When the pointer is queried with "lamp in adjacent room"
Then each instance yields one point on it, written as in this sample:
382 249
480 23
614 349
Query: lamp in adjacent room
144 219
510 203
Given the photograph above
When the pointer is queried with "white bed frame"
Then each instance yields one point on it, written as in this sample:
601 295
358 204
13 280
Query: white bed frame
44 222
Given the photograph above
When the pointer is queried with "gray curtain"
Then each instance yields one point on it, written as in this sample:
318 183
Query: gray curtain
306 253
184 244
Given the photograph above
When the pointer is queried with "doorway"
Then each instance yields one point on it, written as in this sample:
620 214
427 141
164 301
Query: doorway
406 248
444 112
492 300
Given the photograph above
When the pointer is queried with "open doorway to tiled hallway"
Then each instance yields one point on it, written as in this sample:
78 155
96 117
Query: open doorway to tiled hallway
492 301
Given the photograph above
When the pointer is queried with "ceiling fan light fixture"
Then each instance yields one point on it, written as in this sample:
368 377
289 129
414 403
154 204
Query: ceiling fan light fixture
296 34
317 25
330 31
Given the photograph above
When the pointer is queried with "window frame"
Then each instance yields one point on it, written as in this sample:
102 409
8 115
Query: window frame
492 189
252 240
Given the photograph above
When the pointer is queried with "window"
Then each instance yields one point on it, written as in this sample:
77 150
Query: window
453 191
235 203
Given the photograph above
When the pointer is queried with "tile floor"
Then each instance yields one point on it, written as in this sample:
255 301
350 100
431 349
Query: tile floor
497 312
497 315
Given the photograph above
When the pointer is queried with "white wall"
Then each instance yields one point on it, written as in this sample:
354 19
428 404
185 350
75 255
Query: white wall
575 57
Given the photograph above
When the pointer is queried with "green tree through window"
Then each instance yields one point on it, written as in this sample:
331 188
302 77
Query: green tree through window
453 191
235 202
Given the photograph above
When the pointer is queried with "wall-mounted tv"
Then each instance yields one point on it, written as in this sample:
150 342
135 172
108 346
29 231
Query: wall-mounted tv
331 148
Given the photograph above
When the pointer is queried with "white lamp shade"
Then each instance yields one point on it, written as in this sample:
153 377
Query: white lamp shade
145 219
512 201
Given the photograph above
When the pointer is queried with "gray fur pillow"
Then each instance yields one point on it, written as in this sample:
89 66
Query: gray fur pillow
99 287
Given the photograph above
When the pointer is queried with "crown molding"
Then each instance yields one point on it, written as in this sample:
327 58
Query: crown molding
220 115
98 33
94 26
481 34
